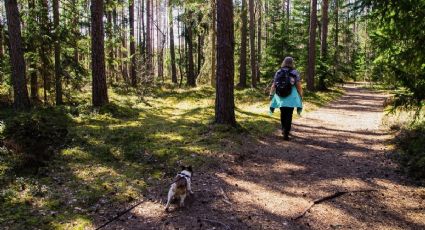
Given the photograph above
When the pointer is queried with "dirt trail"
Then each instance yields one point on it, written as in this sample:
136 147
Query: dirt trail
340 147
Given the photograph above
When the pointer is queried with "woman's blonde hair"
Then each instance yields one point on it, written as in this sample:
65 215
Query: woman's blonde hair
288 62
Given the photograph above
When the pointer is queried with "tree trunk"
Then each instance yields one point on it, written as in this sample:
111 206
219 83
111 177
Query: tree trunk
58 74
143 43
148 39
191 71
32 48
1 45
213 42
312 46
252 44
287 15
45 48
20 91
115 49
109 34
180 54
99 88
75 20
336 54
132 46
224 103
172 48
199 55
242 55
124 50
324 35
1 52
257 65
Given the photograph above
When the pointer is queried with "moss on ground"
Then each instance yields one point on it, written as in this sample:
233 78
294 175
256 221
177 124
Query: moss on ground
113 154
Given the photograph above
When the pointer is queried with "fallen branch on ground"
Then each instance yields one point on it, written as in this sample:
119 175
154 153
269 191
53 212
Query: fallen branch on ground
217 222
332 196
225 197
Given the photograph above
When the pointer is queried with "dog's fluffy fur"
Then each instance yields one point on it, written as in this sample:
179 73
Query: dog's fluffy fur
181 185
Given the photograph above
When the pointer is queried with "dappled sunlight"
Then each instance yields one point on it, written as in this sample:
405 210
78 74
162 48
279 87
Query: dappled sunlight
168 136
284 167
272 200
149 211
344 184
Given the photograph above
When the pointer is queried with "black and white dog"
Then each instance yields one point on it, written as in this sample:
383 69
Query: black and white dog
181 185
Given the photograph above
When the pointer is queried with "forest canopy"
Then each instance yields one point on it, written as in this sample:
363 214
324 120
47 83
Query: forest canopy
142 43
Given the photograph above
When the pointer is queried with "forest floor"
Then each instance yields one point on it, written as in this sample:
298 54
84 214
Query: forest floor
246 177
265 182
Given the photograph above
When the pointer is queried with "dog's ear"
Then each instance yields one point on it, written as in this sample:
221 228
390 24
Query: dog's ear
190 168
183 167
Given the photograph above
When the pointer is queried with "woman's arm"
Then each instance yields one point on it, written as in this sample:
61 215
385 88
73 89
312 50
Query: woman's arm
272 90
300 89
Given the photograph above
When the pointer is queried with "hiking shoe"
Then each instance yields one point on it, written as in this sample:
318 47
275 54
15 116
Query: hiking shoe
286 137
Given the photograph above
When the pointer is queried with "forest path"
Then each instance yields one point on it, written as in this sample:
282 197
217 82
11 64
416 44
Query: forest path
340 147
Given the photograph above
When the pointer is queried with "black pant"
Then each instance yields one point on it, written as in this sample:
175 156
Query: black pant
286 119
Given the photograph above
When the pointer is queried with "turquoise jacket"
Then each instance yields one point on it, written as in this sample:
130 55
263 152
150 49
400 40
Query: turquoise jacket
293 100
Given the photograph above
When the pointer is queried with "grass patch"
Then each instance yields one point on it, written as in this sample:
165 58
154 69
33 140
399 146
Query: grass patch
110 156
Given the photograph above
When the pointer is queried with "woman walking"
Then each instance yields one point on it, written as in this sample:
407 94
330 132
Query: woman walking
286 94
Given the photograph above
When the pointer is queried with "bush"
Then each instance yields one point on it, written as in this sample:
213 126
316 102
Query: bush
33 137
411 142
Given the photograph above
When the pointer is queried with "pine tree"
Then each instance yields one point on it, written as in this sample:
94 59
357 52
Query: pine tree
19 82
312 45
252 44
242 55
99 88
58 71
224 103
172 48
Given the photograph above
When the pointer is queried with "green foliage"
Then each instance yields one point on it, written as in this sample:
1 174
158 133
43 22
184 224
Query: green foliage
397 38
411 142
33 137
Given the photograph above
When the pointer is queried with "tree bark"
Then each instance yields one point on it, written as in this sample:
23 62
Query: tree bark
1 45
110 72
224 103
336 54
242 55
58 74
287 15
20 91
172 48
199 55
312 46
32 48
324 35
123 49
148 39
2 41
213 42
99 88
45 49
133 76
143 43
191 71
252 44
259 25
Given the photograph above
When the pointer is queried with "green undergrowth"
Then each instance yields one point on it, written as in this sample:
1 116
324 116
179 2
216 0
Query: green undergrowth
409 142
108 157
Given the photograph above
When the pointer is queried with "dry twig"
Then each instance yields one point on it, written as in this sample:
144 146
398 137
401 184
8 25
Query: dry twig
329 197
